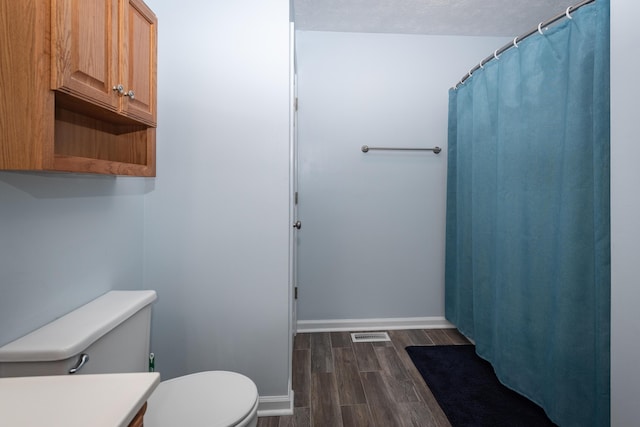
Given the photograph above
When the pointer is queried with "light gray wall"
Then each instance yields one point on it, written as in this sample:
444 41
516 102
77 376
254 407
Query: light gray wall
372 241
65 239
217 221
625 214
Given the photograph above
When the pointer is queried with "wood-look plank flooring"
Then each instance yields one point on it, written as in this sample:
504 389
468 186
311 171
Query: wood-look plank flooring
338 383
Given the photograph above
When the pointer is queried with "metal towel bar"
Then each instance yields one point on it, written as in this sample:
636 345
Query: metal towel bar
366 148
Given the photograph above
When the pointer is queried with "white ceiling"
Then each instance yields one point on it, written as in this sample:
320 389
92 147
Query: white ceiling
434 17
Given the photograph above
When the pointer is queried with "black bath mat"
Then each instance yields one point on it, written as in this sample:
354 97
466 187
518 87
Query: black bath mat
469 392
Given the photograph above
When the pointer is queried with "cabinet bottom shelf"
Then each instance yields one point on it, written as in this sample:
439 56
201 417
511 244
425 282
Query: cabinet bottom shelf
89 145
64 163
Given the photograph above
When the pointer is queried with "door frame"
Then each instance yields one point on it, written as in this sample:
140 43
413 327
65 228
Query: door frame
293 206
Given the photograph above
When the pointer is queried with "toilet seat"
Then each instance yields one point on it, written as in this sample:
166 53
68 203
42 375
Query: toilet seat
212 399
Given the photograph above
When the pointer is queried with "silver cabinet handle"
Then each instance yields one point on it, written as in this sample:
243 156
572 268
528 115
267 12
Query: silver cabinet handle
131 94
297 225
84 358
119 89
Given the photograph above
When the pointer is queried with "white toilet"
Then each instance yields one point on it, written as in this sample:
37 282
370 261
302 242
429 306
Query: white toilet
111 334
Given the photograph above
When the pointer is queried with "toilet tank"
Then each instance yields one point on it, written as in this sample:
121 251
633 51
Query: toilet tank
112 330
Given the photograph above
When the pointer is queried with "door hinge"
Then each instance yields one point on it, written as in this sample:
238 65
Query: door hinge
295 293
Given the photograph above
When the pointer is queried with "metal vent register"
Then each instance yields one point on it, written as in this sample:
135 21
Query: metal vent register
370 337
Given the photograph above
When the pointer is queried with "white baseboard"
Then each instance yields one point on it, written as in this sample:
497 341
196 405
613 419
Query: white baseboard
275 406
334 325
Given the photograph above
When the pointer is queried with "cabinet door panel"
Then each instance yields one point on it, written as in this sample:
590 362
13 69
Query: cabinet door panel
139 61
85 50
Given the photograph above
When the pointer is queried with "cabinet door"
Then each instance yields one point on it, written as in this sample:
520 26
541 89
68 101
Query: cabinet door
85 50
139 54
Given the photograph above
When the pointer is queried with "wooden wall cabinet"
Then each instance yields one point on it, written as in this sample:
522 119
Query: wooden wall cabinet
78 86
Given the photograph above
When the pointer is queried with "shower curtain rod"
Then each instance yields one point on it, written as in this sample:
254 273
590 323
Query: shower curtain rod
514 43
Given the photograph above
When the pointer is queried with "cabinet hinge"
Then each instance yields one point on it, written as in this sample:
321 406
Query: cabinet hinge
295 197
295 292
295 104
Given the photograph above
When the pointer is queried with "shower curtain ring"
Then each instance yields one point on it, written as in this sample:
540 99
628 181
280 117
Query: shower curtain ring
480 65
515 41
470 72
567 13
540 29
495 54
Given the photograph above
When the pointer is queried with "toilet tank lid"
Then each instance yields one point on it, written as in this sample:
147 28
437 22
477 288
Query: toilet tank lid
72 333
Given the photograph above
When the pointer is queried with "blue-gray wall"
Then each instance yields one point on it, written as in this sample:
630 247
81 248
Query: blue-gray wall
625 214
217 221
65 240
372 241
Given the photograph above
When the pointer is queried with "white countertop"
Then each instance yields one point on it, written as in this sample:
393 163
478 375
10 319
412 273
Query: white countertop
107 400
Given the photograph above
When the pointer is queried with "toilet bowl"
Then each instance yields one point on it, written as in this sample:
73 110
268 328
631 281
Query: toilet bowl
111 335
213 399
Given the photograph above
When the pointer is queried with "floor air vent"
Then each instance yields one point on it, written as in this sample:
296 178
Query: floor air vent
370 337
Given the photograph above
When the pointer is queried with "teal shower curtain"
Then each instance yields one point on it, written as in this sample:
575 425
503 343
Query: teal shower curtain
527 242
